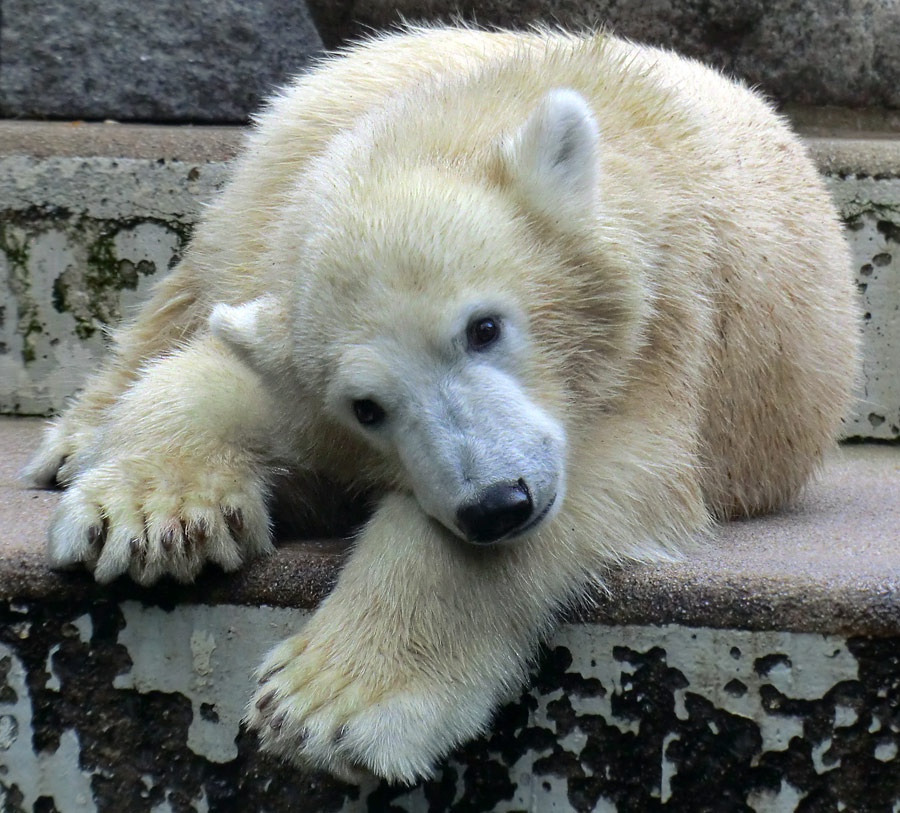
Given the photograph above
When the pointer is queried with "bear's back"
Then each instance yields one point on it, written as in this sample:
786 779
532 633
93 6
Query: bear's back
739 231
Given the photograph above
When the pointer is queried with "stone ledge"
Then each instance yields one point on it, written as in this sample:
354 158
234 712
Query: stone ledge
828 120
835 149
830 565
78 139
875 155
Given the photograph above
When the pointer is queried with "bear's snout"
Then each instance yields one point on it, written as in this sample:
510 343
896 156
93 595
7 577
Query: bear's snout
495 512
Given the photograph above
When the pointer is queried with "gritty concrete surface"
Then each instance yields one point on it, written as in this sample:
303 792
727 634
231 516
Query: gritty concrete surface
78 139
807 51
875 155
830 565
170 60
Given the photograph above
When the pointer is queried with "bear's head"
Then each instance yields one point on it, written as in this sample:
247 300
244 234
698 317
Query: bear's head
431 314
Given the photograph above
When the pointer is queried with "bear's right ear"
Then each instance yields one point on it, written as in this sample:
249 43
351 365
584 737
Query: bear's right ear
553 155
256 331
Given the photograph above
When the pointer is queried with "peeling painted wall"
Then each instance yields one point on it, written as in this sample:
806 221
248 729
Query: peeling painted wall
113 707
871 210
81 242
82 239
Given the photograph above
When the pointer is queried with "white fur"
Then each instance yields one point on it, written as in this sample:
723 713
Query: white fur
156 498
459 421
255 330
680 340
237 325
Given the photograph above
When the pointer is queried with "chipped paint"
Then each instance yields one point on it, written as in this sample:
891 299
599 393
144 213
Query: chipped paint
209 662
140 706
785 799
26 774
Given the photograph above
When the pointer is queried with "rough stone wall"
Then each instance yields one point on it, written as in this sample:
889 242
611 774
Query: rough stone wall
192 60
169 60
110 707
814 52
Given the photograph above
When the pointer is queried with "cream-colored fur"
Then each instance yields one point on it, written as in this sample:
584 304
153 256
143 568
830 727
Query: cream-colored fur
680 340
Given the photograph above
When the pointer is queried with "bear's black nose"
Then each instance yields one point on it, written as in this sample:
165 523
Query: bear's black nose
495 512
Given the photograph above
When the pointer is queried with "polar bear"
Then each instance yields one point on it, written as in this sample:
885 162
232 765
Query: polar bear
555 302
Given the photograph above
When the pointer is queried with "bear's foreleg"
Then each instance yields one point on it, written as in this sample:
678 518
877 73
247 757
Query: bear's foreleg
176 475
420 641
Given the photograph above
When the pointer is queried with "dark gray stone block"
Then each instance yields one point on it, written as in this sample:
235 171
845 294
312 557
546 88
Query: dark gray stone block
169 60
817 52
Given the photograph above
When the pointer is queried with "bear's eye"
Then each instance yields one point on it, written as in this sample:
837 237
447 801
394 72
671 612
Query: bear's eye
368 413
482 332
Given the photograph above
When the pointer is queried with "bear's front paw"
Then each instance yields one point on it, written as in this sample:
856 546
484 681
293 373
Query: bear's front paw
327 705
132 516
55 462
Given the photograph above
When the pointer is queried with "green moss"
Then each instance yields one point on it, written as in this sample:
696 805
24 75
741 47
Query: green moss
16 251
17 255
184 231
84 329
104 277
103 265
854 210
60 289
90 290
32 328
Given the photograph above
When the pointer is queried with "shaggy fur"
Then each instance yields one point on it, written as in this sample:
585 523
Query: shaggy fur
679 340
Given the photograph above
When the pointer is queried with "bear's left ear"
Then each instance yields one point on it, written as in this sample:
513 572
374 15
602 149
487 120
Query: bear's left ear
553 155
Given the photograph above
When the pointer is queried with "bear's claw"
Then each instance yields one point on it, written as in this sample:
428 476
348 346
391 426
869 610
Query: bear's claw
119 518
326 703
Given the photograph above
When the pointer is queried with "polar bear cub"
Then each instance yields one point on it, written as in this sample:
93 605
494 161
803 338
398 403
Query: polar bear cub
554 301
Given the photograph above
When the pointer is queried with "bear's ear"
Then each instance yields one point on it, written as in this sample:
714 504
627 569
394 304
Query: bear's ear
553 156
256 331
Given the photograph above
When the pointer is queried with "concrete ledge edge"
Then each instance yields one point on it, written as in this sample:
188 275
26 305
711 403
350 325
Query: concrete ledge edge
829 565
847 152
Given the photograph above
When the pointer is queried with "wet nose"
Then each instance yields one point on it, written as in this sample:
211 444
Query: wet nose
496 510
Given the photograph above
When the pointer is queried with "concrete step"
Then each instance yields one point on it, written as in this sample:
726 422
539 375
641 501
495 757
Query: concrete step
760 673
90 215
188 61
